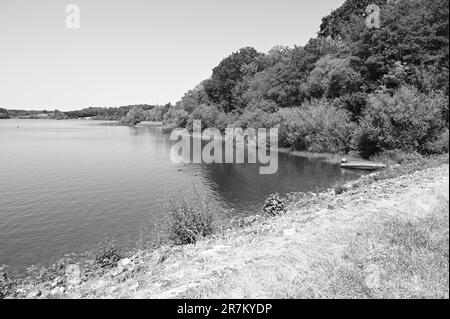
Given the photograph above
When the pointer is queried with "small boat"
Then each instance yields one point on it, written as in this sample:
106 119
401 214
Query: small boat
366 166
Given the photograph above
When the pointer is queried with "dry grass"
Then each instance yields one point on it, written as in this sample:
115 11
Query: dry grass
400 257
389 239
394 249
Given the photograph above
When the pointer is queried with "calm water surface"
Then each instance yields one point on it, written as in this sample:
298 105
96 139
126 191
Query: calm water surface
66 185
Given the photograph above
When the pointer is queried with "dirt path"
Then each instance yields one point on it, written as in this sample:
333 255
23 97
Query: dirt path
286 256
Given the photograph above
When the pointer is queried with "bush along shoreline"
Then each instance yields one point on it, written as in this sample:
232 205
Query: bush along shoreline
188 222
350 89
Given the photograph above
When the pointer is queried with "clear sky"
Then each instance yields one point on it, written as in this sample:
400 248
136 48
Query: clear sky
135 51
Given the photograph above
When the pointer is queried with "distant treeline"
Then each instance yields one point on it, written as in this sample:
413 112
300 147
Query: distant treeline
96 113
4 114
106 113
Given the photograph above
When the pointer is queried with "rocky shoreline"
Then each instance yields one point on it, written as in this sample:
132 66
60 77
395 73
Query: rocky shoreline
75 277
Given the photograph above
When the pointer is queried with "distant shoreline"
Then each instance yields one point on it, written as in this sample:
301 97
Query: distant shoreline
328 157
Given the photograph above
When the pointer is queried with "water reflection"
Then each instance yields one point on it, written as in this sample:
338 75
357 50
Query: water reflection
243 188
65 185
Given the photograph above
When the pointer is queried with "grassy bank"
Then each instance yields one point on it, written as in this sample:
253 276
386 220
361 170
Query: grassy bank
385 235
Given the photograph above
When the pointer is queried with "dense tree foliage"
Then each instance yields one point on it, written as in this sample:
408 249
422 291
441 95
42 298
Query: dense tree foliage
227 75
345 90
135 116
413 33
407 120
334 25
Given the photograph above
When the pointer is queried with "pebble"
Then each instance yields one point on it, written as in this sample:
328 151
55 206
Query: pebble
124 264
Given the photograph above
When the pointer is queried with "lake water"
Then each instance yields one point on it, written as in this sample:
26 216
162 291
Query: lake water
66 185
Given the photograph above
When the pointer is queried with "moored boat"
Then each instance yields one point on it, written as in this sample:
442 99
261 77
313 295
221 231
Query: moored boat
366 166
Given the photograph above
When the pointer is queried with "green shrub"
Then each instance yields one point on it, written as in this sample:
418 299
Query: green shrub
157 113
134 116
354 103
176 117
340 189
168 128
407 120
317 127
439 145
257 118
188 218
274 205
211 115
334 77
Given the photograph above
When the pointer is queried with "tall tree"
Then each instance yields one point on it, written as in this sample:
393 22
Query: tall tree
227 75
